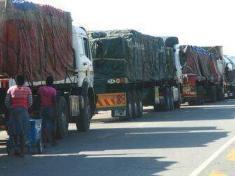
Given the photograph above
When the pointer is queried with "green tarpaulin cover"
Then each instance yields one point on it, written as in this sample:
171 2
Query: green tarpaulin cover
130 54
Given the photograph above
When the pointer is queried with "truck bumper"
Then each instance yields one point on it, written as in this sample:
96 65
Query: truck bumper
111 101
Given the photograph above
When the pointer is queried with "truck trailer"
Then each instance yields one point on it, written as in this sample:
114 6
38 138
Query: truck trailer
229 76
203 74
133 70
39 41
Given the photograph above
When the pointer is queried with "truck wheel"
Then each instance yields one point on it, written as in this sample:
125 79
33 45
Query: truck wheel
179 101
62 118
140 108
139 105
213 94
220 93
191 103
83 123
177 104
135 103
8 148
160 107
39 147
156 107
172 105
200 96
130 107
169 100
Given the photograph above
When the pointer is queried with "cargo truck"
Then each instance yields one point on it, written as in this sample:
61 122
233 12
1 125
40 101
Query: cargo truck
229 76
133 70
39 41
203 72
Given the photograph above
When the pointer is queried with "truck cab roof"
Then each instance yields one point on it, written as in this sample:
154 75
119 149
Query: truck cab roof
80 31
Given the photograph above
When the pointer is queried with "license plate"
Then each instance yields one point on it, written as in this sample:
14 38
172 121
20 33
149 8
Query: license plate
119 112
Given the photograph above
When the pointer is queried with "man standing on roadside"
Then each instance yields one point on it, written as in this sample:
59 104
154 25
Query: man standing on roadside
47 96
18 100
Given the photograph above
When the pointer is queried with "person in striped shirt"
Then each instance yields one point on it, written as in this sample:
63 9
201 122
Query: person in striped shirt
18 100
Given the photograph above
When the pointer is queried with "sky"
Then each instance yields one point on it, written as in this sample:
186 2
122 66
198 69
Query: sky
196 22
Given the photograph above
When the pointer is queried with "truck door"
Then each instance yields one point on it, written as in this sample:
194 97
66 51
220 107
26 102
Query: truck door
87 62
83 59
178 64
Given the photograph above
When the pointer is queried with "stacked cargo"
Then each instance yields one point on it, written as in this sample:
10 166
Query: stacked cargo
229 68
136 66
203 77
130 54
36 40
39 41
127 54
217 64
189 61
199 61
229 73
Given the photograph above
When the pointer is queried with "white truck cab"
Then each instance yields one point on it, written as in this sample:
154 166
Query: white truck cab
83 57
179 75
178 64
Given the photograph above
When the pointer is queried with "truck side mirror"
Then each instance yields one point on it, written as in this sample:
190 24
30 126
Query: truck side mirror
99 49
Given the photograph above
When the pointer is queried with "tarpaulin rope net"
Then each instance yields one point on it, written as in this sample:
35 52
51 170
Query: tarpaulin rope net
130 54
35 40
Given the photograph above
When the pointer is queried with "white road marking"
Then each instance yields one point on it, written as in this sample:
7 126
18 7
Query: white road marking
203 166
172 132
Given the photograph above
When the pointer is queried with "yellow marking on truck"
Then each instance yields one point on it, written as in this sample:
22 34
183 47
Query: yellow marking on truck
188 91
217 173
231 155
111 100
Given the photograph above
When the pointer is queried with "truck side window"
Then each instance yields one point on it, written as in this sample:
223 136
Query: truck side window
74 59
86 47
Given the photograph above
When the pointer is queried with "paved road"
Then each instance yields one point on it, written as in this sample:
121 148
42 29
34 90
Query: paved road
192 141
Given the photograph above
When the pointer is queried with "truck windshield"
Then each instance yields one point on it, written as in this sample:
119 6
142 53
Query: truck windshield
86 47
81 48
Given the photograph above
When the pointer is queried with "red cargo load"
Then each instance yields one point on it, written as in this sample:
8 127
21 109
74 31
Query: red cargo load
36 42
200 62
191 63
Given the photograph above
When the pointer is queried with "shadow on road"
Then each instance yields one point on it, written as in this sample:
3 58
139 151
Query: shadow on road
149 138
219 111
84 166
184 114
123 151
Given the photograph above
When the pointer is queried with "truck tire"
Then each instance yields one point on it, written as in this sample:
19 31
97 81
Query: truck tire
169 100
200 96
220 93
83 123
213 96
130 107
199 99
39 146
135 104
161 105
191 102
62 118
178 102
139 105
172 104
158 106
